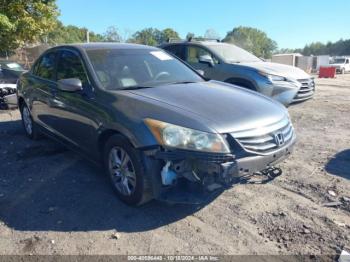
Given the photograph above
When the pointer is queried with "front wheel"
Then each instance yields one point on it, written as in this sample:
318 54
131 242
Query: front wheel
29 126
343 71
124 167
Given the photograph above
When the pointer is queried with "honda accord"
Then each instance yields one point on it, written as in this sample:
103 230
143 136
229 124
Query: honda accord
154 122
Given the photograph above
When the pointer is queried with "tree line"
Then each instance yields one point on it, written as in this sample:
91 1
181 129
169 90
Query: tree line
338 48
25 22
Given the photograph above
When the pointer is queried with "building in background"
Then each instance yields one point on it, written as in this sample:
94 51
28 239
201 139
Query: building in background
286 59
310 64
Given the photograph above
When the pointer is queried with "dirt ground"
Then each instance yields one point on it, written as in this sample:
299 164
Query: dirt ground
52 201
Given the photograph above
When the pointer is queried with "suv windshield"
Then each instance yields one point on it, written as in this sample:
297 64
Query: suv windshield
128 68
338 61
234 54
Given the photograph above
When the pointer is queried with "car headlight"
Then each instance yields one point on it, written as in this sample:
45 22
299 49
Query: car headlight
273 78
185 138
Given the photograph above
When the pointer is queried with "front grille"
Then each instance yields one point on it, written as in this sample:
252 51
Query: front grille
306 90
266 139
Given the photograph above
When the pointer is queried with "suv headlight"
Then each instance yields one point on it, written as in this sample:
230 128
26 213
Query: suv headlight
273 78
281 80
185 138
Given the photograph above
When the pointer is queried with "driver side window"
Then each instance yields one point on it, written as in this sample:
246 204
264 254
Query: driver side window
194 53
71 66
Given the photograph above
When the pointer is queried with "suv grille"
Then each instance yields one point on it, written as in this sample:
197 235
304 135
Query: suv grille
266 139
306 90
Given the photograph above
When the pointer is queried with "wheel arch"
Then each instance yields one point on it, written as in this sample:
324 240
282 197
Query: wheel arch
107 133
242 82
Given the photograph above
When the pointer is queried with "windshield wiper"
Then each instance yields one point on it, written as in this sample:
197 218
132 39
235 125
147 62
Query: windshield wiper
180 82
135 87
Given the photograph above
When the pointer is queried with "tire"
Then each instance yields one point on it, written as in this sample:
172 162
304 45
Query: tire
124 166
29 125
343 71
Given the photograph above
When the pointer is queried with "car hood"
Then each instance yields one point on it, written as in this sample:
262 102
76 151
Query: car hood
226 107
287 71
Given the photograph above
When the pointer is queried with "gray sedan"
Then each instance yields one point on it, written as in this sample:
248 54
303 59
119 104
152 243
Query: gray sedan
156 125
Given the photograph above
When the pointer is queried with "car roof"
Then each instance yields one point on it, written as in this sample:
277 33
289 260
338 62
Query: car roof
107 45
207 43
195 42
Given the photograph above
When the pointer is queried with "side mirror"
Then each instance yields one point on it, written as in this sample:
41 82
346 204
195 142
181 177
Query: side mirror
70 85
201 72
206 59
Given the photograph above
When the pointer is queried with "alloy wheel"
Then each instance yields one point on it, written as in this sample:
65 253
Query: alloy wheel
27 121
122 171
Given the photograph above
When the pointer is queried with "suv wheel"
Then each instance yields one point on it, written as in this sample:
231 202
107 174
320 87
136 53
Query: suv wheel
123 164
28 123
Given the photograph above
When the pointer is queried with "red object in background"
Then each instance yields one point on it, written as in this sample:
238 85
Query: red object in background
327 72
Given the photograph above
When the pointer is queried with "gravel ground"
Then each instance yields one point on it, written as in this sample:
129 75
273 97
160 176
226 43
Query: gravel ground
52 201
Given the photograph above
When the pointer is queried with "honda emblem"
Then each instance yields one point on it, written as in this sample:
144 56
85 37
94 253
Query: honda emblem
279 139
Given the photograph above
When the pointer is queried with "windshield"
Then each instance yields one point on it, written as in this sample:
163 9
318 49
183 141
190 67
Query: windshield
338 61
127 68
11 65
234 54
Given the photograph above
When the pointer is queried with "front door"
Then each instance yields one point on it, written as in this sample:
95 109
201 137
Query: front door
42 81
193 57
74 111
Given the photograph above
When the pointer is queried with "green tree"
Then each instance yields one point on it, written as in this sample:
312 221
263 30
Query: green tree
339 48
148 36
112 35
211 34
252 40
167 34
70 34
25 21
153 36
285 51
189 35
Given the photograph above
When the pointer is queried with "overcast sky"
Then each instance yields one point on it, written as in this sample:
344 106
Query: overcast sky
291 23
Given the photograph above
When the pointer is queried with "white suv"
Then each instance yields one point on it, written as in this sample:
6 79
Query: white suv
342 64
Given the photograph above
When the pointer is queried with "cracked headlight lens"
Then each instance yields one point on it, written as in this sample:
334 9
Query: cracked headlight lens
186 138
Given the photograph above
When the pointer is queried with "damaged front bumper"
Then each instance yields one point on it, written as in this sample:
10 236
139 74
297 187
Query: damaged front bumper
193 177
